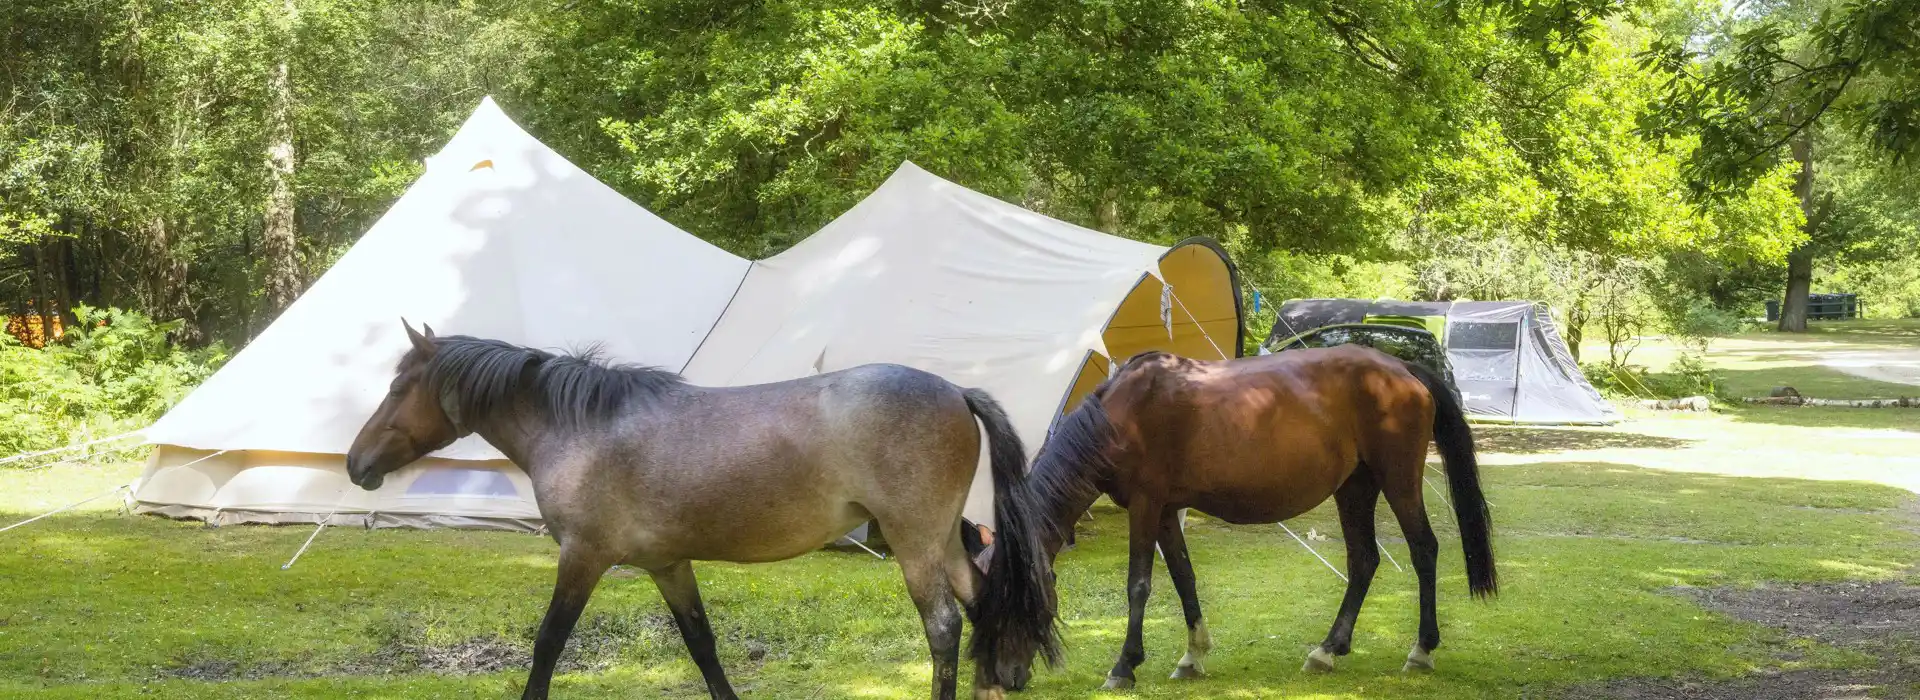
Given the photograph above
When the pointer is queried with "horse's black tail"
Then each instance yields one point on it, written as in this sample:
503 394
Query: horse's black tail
1013 617
1455 440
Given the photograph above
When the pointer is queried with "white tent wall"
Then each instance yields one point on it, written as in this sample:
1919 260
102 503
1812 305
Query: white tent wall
932 275
504 238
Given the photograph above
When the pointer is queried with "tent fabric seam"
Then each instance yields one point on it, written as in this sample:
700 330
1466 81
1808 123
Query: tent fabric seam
754 265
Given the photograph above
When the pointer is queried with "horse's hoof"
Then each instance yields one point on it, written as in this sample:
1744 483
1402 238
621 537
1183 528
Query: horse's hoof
1118 683
1418 661
989 694
1187 672
1319 661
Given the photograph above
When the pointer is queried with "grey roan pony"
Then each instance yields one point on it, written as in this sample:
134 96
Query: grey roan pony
633 465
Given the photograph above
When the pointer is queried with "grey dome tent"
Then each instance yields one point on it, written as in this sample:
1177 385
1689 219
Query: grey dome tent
1508 359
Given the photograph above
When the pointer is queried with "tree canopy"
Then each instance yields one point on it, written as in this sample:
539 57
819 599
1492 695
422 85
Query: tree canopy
203 161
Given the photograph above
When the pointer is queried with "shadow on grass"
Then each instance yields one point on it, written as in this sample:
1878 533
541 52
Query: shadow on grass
1517 440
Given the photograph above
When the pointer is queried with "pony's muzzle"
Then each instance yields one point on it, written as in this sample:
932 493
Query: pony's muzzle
362 474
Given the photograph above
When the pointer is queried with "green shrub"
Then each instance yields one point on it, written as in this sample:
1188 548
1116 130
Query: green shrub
114 371
1689 375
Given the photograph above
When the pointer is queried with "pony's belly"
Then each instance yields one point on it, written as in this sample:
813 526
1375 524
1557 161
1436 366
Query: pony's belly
1261 504
767 536
1242 512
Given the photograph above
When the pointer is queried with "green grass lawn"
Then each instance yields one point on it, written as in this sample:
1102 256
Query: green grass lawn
1591 526
95 604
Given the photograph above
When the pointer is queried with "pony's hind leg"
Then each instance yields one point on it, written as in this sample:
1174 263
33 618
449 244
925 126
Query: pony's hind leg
682 593
967 581
1173 545
932 592
1409 506
580 571
1356 500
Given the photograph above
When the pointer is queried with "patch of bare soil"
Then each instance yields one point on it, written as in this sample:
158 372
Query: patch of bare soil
593 646
1880 619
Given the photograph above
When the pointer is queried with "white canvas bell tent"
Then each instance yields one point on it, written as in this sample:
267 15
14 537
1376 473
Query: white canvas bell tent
503 238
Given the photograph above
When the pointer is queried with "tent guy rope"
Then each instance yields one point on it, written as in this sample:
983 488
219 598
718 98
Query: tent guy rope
1197 324
1443 500
1383 550
58 450
858 543
76 460
68 507
1310 549
339 502
310 538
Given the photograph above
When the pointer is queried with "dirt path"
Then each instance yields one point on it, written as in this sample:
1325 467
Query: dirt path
1892 366
1879 619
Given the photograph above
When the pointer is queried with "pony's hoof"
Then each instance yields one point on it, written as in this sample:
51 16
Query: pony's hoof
989 694
1319 661
1118 683
1418 661
1187 672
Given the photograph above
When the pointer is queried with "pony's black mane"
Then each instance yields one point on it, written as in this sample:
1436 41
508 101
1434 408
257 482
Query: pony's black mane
1072 463
476 376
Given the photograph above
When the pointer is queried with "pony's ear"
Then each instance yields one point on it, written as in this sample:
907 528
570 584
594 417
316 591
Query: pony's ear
422 343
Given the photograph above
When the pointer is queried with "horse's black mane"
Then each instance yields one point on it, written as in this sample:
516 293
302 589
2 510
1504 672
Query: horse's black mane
475 376
1072 463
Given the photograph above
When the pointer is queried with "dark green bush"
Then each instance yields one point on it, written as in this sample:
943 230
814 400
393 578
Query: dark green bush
114 371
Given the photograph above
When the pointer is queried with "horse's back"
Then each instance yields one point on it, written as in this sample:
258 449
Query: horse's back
1279 431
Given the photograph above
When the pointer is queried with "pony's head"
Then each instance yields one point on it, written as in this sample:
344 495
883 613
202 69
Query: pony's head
409 424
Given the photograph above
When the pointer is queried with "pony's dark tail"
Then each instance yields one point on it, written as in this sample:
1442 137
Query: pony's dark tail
1013 617
1455 440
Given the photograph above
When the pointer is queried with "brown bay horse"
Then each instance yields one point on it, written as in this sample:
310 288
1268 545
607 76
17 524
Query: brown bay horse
632 465
1261 440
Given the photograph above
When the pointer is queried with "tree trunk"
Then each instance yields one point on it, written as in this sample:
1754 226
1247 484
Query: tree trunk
1793 309
166 280
1108 213
103 256
43 290
69 282
277 240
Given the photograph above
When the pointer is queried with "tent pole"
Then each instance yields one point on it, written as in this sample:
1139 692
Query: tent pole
1519 342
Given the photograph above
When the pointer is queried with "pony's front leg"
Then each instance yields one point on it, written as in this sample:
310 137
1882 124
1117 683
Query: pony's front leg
1173 544
1142 535
580 571
682 592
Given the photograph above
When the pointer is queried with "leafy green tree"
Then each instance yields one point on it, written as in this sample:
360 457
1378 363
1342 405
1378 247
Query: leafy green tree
1773 82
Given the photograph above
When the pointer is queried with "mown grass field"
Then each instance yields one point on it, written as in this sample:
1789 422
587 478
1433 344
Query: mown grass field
1594 527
